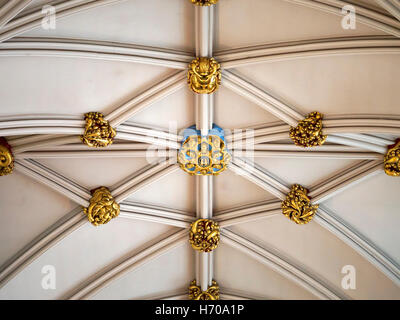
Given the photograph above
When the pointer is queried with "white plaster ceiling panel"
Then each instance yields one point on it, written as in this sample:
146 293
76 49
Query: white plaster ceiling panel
71 86
231 190
157 23
176 190
24 214
242 112
81 255
333 85
173 113
270 21
372 208
320 253
253 278
149 281
306 172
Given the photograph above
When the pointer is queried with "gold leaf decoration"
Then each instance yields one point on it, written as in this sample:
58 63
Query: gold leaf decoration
205 155
308 132
392 160
204 235
204 2
102 207
297 206
6 158
204 75
98 132
195 292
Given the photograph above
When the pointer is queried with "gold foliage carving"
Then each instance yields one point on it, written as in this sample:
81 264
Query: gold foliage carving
98 132
204 2
102 207
204 235
308 132
392 160
195 292
6 158
297 205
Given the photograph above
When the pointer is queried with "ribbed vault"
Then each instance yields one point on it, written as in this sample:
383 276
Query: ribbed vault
128 59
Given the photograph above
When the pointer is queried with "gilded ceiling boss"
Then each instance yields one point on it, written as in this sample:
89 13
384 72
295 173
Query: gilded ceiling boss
203 155
308 132
204 235
6 158
392 160
98 132
204 75
297 205
195 292
204 2
102 207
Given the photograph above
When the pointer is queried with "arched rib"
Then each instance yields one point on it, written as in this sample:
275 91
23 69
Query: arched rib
96 154
308 48
142 178
262 174
43 141
34 19
40 130
244 214
54 180
392 6
151 95
358 242
281 265
177 218
123 266
41 244
311 155
10 9
265 100
112 51
365 16
291 117
355 142
344 179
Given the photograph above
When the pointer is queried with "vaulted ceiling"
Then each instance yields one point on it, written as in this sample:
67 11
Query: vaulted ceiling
128 59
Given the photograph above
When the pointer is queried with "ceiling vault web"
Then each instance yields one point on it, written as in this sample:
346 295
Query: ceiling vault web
352 137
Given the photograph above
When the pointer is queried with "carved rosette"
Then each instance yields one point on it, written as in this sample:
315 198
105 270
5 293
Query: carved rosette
204 235
392 160
308 132
98 132
204 2
203 155
102 207
297 205
195 292
204 75
6 158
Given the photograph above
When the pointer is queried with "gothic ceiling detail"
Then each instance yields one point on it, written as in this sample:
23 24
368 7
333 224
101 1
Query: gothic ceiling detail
106 162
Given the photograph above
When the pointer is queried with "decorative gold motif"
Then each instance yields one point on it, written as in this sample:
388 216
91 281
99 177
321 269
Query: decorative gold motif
102 207
297 206
204 235
205 155
204 2
204 75
308 132
98 132
6 158
392 160
195 292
